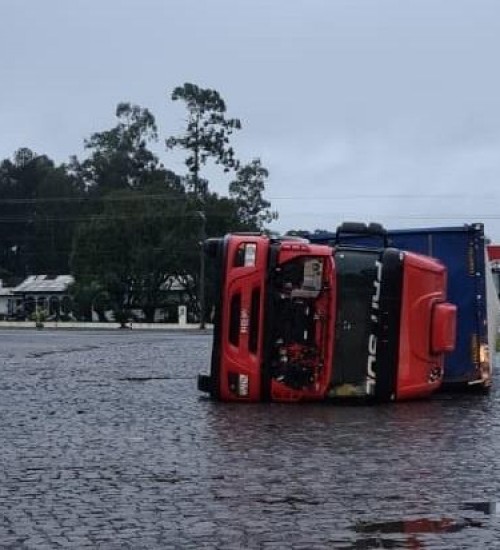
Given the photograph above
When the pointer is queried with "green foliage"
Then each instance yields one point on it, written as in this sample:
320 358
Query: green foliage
120 158
38 204
207 132
123 248
125 226
39 316
247 192
88 294
134 247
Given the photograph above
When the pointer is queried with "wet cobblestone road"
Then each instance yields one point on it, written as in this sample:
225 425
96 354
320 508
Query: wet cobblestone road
106 443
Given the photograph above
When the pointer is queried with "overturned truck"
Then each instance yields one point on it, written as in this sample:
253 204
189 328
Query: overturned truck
296 321
461 249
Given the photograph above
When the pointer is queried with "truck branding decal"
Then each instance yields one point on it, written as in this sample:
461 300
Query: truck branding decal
244 321
243 390
371 378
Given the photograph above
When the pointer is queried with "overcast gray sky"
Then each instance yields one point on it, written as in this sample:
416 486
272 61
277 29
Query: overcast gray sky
369 110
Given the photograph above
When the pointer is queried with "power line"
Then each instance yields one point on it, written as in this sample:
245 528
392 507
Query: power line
410 196
86 199
103 217
156 196
438 215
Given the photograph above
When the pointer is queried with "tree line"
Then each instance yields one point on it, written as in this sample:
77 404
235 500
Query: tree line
123 224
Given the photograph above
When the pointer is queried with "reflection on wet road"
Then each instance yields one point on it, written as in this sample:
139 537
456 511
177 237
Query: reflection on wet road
107 443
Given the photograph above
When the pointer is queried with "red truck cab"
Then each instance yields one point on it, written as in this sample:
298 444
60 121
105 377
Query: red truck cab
393 324
296 321
274 320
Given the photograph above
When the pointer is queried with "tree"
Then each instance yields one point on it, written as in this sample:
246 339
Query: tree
87 296
246 190
58 207
132 248
120 158
162 241
135 204
101 259
38 205
207 133
206 137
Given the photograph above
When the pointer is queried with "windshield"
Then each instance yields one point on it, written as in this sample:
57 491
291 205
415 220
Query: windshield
356 287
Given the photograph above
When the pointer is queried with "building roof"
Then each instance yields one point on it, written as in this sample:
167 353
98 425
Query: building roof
175 284
44 283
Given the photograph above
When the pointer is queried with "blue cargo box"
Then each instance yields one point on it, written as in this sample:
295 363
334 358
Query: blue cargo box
462 251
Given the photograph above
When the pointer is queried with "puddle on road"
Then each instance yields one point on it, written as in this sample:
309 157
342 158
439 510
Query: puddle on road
151 378
405 533
143 378
289 499
418 526
39 354
489 508
372 543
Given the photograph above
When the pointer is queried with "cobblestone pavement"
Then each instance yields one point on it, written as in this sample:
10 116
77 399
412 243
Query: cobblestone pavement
106 443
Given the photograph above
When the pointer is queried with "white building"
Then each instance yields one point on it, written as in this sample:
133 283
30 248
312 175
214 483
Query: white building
6 301
41 292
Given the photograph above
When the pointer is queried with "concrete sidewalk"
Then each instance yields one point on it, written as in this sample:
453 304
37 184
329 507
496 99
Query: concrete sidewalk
100 326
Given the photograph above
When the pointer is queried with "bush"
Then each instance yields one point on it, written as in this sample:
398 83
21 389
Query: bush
39 316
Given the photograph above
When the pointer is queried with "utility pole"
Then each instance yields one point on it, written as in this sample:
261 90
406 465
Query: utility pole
203 236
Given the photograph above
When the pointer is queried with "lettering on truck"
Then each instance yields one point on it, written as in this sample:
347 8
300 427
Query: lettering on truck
371 378
244 321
